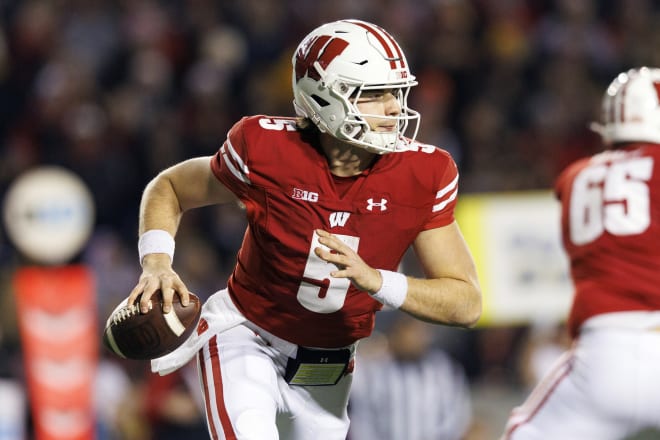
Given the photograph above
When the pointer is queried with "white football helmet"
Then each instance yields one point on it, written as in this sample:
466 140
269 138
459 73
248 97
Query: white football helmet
631 108
334 65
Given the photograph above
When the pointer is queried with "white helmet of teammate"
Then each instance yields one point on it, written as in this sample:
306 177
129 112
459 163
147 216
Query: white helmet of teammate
631 107
334 65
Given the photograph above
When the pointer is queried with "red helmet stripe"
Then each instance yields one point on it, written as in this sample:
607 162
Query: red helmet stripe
382 38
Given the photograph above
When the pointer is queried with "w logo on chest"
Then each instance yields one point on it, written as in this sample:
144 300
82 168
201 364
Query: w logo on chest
339 219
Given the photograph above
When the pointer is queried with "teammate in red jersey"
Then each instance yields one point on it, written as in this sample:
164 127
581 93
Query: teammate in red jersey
605 387
333 199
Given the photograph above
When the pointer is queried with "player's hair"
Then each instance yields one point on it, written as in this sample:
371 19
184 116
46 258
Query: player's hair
309 132
305 124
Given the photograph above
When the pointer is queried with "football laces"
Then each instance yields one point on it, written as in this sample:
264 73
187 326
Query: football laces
125 313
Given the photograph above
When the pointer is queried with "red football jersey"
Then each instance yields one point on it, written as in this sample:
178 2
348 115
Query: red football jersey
610 230
288 191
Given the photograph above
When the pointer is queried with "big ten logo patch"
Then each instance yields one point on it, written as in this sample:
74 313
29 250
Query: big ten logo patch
302 194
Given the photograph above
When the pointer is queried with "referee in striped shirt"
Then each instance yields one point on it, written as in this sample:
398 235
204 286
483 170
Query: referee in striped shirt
411 391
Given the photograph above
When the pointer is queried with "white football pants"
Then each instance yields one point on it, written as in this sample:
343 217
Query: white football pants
606 387
247 398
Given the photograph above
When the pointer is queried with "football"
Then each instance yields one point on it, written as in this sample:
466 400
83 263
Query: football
134 335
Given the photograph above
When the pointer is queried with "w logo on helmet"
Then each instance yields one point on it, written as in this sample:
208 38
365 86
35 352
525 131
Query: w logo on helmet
323 49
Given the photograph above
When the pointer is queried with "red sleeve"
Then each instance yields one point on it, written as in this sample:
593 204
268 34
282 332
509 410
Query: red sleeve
231 163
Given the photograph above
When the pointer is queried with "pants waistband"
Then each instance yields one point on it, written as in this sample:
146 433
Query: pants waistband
288 348
630 320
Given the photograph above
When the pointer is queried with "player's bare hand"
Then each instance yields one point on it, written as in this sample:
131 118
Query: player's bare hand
349 264
157 274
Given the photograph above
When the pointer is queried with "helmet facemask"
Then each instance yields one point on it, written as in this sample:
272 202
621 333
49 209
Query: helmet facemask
356 129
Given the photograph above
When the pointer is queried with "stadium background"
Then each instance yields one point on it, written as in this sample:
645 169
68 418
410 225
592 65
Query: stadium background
117 90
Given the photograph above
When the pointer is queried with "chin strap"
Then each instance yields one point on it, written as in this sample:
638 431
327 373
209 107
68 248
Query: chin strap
383 142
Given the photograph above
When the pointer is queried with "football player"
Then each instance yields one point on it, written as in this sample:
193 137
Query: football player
334 198
605 387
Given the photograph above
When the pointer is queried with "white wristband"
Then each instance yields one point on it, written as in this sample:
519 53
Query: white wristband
394 289
156 241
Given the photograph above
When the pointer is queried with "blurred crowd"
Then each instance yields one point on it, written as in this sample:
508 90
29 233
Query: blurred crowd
118 90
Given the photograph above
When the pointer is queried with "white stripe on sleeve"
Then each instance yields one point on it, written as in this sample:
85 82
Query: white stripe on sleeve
440 206
234 163
452 189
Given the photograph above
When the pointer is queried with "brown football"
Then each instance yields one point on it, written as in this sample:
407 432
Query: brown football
134 335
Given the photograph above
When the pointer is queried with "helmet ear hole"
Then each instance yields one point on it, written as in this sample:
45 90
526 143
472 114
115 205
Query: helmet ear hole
320 101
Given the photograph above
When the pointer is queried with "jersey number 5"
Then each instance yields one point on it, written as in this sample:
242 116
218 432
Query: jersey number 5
318 291
612 198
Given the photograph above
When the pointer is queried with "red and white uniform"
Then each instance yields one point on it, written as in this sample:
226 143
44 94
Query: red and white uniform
288 191
606 386
281 295
610 226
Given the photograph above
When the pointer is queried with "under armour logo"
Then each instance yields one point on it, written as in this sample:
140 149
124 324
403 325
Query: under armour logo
382 204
